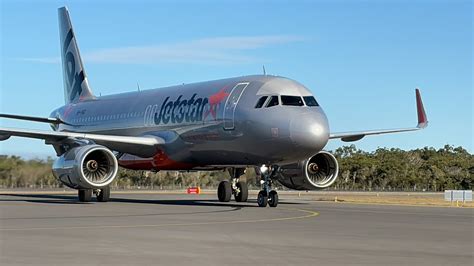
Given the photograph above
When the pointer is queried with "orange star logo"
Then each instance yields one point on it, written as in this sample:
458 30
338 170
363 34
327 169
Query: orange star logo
214 101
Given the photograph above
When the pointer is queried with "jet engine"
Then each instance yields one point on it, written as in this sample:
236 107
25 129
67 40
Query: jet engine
318 172
86 167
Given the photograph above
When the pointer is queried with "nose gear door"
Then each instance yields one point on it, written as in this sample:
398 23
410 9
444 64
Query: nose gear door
231 104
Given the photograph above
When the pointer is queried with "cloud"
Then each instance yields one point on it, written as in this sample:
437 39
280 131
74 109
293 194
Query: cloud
45 60
220 50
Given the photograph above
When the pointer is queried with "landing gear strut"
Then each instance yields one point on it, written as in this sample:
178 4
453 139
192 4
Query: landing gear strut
235 187
267 195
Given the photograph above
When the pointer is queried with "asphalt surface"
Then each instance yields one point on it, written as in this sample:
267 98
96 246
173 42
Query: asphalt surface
172 229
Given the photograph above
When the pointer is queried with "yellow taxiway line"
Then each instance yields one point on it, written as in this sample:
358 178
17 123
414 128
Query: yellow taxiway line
308 214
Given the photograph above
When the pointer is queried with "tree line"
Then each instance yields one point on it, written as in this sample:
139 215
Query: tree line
426 169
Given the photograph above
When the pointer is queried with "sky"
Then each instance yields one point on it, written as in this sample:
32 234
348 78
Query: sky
361 59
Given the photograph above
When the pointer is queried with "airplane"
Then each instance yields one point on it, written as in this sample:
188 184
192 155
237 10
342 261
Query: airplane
271 123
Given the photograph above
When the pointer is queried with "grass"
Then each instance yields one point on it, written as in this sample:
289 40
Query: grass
395 198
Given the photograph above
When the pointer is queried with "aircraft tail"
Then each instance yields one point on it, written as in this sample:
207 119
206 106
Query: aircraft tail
76 86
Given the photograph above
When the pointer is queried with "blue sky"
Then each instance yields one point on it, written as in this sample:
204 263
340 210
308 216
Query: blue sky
361 59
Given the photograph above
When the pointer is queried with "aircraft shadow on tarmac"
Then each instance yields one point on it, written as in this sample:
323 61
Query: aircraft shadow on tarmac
72 199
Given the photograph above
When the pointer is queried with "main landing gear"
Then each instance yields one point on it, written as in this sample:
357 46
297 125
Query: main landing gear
267 195
103 194
233 187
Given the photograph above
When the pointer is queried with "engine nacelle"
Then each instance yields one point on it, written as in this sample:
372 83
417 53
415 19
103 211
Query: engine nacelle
86 167
318 172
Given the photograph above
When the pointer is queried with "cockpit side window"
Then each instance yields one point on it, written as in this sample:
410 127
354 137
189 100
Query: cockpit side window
273 101
310 101
261 101
291 100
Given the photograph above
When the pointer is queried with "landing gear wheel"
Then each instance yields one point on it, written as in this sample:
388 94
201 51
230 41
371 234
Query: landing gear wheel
273 198
243 193
104 194
224 191
262 198
85 195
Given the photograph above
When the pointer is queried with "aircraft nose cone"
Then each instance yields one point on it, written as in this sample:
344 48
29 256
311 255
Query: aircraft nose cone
310 131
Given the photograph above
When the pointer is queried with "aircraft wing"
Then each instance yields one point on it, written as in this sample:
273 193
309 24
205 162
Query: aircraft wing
34 118
144 146
354 136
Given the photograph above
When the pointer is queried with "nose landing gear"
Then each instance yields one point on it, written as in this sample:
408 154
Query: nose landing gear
267 195
273 198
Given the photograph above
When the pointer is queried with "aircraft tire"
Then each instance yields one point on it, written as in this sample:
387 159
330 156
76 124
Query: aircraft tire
262 199
244 192
224 191
273 198
85 195
104 194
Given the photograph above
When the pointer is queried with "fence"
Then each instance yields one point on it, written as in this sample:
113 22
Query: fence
458 195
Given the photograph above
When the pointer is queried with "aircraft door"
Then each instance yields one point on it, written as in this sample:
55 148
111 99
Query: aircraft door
231 104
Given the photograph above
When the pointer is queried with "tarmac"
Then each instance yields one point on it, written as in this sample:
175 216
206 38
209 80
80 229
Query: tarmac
177 229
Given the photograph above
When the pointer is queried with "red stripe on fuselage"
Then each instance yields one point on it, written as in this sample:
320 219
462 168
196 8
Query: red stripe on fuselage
160 161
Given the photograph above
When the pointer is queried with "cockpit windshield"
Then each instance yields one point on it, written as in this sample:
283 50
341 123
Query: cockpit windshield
286 100
273 101
310 101
261 101
291 100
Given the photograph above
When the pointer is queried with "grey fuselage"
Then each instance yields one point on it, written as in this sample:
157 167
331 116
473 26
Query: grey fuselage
208 125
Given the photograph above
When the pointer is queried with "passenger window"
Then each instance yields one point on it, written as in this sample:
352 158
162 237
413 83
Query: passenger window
310 101
292 100
273 101
261 101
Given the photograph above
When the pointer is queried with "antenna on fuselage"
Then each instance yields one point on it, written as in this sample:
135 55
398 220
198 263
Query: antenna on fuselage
264 71
138 86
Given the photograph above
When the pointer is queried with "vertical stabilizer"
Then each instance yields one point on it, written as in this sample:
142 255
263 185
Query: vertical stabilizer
76 86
